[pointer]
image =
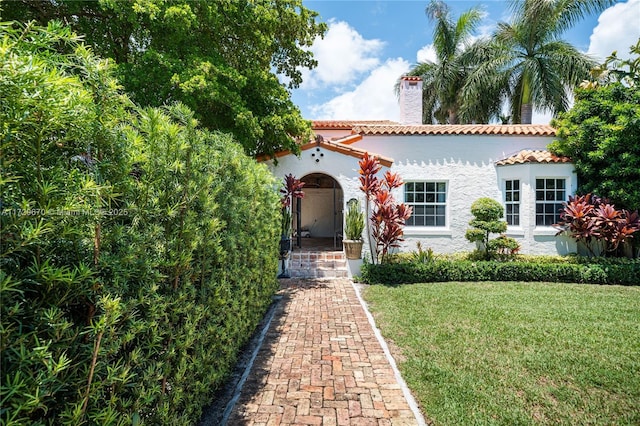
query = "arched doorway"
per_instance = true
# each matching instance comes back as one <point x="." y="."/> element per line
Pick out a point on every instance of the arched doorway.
<point x="319" y="214"/>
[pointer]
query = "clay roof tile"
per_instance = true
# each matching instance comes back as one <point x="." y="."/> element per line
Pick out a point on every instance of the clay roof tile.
<point x="532" y="156"/>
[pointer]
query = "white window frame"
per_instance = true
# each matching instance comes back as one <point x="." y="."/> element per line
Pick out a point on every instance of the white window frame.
<point x="411" y="201"/>
<point x="545" y="201"/>
<point x="510" y="200"/>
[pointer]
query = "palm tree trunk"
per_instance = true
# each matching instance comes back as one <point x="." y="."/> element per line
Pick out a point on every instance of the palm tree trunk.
<point x="526" y="113"/>
<point x="526" y="108"/>
<point x="453" y="116"/>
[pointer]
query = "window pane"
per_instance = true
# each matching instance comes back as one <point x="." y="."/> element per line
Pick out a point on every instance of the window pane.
<point x="539" y="183"/>
<point x="509" y="185"/>
<point x="551" y="183"/>
<point x="540" y="195"/>
<point x="516" y="185"/>
<point x="551" y="195"/>
<point x="560" y="183"/>
<point x="516" y="196"/>
<point x="428" y="202"/>
<point x="508" y="196"/>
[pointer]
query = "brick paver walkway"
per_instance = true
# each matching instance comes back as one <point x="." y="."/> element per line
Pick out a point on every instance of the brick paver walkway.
<point x="321" y="364"/>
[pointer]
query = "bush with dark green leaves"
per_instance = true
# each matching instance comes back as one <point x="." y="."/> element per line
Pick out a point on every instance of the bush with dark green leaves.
<point x="602" y="271"/>
<point x="601" y="132"/>
<point x="487" y="219"/>
<point x="138" y="252"/>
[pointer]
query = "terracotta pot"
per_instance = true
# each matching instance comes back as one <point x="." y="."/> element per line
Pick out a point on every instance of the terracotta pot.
<point x="352" y="249"/>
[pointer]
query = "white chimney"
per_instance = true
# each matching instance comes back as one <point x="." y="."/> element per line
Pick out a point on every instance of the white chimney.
<point x="410" y="100"/>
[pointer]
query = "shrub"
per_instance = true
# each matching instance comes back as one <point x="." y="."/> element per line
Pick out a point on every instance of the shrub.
<point x="626" y="273"/>
<point x="487" y="213"/>
<point x="598" y="226"/>
<point x="138" y="252"/>
<point x="386" y="223"/>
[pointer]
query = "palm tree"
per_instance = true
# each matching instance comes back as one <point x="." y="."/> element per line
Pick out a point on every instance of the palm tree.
<point x="526" y="63"/>
<point x="444" y="78"/>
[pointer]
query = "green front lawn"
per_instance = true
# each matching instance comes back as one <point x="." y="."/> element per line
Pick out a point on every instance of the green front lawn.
<point x="516" y="353"/>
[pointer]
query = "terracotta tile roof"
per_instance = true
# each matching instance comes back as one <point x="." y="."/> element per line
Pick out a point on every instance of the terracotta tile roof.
<point x="532" y="156"/>
<point x="455" y="129"/>
<point x="411" y="78"/>
<point x="342" y="146"/>
<point x="346" y="124"/>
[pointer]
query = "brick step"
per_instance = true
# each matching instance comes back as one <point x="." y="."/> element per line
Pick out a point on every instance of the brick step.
<point x="317" y="265"/>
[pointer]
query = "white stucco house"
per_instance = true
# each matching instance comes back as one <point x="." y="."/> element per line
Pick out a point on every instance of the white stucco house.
<point x="445" y="168"/>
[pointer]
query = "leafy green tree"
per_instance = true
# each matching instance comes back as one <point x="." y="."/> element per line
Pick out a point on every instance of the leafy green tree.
<point x="601" y="134"/>
<point x="443" y="79"/>
<point x="217" y="57"/>
<point x="526" y="63"/>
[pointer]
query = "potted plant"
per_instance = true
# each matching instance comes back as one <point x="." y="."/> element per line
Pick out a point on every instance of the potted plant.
<point x="353" y="230"/>
<point x="285" y="232"/>
<point x="292" y="188"/>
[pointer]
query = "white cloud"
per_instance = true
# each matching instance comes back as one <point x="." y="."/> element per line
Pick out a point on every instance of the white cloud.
<point x="427" y="53"/>
<point x="373" y="99"/>
<point x="343" y="55"/>
<point x="618" y="28"/>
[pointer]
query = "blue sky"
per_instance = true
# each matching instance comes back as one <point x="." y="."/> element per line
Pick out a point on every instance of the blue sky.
<point x="370" y="43"/>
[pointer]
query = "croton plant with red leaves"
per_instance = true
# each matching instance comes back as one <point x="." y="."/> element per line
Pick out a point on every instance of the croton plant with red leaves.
<point x="387" y="218"/>
<point x="292" y="188"/>
<point x="592" y="220"/>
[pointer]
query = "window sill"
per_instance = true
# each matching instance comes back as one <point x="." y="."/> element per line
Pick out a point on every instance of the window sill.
<point x="427" y="230"/>
<point x="545" y="230"/>
<point x="515" y="231"/>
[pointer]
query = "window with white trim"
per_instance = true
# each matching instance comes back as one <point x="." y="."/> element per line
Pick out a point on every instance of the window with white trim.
<point x="512" y="202"/>
<point x="550" y="193"/>
<point x="429" y="203"/>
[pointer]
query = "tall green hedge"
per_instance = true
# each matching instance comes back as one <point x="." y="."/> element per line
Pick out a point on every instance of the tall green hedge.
<point x="138" y="251"/>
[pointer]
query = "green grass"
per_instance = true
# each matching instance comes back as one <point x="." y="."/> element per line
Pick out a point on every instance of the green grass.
<point x="516" y="353"/>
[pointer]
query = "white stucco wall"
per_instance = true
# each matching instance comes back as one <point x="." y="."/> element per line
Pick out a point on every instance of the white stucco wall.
<point x="467" y="165"/>
<point x="410" y="102"/>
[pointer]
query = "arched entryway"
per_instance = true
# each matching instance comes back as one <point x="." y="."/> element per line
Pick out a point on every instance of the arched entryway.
<point x="319" y="214"/>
